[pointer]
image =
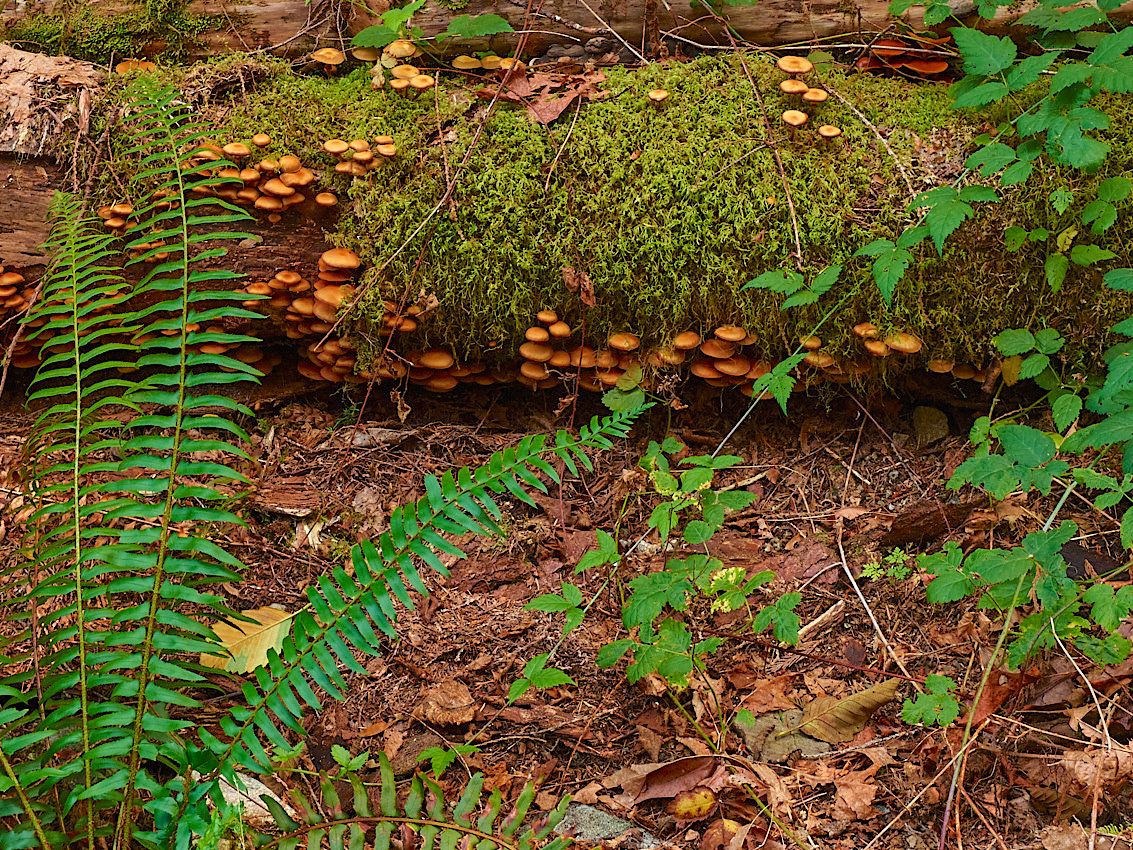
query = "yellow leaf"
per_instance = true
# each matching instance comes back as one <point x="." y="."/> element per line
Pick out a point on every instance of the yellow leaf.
<point x="247" y="643"/>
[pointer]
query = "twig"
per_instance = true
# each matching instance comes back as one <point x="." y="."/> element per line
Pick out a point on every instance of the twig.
<point x="861" y="598"/>
<point x="984" y="820"/>
<point x="564" y="22"/>
<point x="900" y="459"/>
<point x="909" y="805"/>
<point x="613" y="31"/>
<point x="880" y="138"/>
<point x="562" y="147"/>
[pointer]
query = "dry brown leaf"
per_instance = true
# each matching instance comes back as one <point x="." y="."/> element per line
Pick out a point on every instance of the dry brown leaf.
<point x="837" y="721"/>
<point x="671" y="779"/>
<point x="448" y="704"/>
<point x="853" y="797"/>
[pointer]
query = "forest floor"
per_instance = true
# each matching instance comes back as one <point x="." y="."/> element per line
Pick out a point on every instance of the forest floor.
<point x="842" y="486"/>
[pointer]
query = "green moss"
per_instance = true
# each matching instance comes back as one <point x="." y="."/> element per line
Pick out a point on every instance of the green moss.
<point x="671" y="212"/>
<point x="157" y="27"/>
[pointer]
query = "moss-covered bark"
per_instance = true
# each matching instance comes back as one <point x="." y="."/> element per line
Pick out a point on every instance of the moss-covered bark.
<point x="671" y="212"/>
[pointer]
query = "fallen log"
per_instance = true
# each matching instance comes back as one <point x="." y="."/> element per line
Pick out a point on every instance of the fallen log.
<point x="570" y="192"/>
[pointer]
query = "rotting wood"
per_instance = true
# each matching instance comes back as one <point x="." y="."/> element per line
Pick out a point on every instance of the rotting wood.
<point x="293" y="26"/>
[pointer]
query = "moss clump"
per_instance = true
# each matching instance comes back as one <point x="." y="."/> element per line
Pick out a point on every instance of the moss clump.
<point x="670" y="213"/>
<point x="157" y="27"/>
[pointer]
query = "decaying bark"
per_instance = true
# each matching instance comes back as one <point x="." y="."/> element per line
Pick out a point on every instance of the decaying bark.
<point x="291" y="27"/>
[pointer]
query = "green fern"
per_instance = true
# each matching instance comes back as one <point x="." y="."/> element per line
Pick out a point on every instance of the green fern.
<point x="422" y="821"/>
<point x="98" y="742"/>
<point x="343" y="609"/>
<point x="105" y="620"/>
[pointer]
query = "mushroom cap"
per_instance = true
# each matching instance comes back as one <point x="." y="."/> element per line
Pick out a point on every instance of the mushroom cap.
<point x="400" y="49"/>
<point x="810" y="343"/>
<point x="405" y="72"/>
<point x="325" y="199"/>
<point x="329" y="56"/>
<point x="398" y="84"/>
<point x="877" y="348"/>
<point x="122" y="210"/>
<point x="436" y="358"/>
<point x="904" y="343"/>
<point x="658" y="95"/>
<point x="866" y="330"/>
<point x="828" y="131"/>
<point x="560" y="360"/>
<point x="383" y="140"/>
<point x="623" y="341"/>
<point x="734" y="366"/>
<point x="582" y="356"/>
<point x="940" y="366"/>
<point x="335" y="147"/>
<point x="792" y="86"/>
<point x="963" y="371"/>
<point x="334" y="294"/>
<point x="289" y="163"/>
<point x="759" y="368"/>
<point x="366" y="54"/>
<point x="730" y="333"/>
<point x="441" y="383"/>
<point x="536" y="335"/>
<point x="820" y="359"/>
<point x="605" y="359"/>
<point x="236" y="150"/>
<point x="288" y="277"/>
<point x="387" y="149"/>
<point x="794" y="65"/>
<point x="261" y="140"/>
<point x="422" y="82"/>
<point x="815" y="95"/>
<point x="538" y="352"/>
<point x="547" y="317"/>
<point x="794" y="117"/>
<point x="466" y="63"/>
<point x="490" y="62"/>
<point x="277" y="187"/>
<point x="340" y="258"/>
<point x="559" y="330"/>
<point x="704" y="368"/>
<point x="686" y="341"/>
<point x="926" y="67"/>
<point x="359" y="145"/>
<point x="718" y="349"/>
<point x="534" y="369"/>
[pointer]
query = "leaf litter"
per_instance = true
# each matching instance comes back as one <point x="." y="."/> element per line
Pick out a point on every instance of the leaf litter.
<point x="673" y="761"/>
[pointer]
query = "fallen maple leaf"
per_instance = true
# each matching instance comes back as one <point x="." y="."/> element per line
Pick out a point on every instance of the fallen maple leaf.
<point x="853" y="797"/>
<point x="547" y="109"/>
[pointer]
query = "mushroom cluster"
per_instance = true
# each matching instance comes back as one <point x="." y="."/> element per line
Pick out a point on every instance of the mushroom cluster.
<point x="302" y="307"/>
<point x="332" y="360"/>
<point x="801" y="95"/>
<point x="357" y="158"/>
<point x="922" y="58"/>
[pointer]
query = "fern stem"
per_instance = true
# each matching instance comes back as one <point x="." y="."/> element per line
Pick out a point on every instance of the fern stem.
<point x="125" y="815"/>
<point x="29" y="809"/>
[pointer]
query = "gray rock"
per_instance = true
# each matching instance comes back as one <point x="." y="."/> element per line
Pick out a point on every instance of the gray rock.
<point x="574" y="51"/>
<point x="591" y="825"/>
<point x="599" y="46"/>
<point x="930" y="425"/>
<point x="962" y="8"/>
<point x="555" y="51"/>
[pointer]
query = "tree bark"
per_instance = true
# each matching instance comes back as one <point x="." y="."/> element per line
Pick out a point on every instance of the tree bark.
<point x="292" y="27"/>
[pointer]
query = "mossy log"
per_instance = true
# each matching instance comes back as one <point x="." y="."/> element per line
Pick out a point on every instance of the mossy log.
<point x="661" y="215"/>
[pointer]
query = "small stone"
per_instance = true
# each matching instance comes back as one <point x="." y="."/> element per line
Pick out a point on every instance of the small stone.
<point x="930" y="425"/>
<point x="598" y="45"/>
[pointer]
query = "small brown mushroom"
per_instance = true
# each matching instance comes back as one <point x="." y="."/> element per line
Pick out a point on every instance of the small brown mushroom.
<point x="658" y="98"/>
<point x="794" y="66"/>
